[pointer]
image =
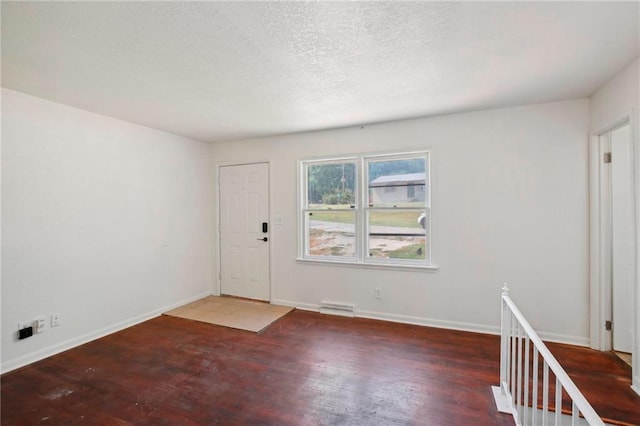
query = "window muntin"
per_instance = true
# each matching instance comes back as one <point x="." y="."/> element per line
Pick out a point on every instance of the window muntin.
<point x="382" y="219"/>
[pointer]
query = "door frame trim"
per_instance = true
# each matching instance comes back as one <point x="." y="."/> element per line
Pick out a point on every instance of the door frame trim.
<point x="600" y="237"/>
<point x="217" y="287"/>
<point x="600" y="233"/>
<point x="600" y="338"/>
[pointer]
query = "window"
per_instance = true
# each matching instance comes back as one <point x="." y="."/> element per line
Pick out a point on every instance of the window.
<point x="411" y="191"/>
<point x="367" y="209"/>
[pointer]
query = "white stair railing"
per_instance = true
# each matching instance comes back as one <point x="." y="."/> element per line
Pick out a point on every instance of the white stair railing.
<point x="523" y="358"/>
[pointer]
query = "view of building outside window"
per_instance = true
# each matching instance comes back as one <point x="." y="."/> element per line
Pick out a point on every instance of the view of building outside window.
<point x="396" y="219"/>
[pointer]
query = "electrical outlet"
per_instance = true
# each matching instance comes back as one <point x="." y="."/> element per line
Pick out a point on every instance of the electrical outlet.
<point x="39" y="325"/>
<point x="25" y="329"/>
<point x="378" y="293"/>
<point x="25" y="332"/>
<point x="55" y="320"/>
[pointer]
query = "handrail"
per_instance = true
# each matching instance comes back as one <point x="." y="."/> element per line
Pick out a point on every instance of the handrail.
<point x="512" y="375"/>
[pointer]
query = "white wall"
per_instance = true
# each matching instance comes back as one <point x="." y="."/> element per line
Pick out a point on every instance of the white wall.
<point x="104" y="222"/>
<point x="617" y="100"/>
<point x="510" y="203"/>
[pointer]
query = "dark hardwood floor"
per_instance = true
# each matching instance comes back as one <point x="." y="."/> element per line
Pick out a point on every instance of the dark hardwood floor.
<point x="306" y="369"/>
<point x="604" y="379"/>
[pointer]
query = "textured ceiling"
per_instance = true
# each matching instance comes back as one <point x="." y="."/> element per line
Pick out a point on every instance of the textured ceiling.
<point x="229" y="70"/>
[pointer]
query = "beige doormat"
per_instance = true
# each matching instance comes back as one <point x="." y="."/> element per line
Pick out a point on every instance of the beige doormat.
<point x="232" y="312"/>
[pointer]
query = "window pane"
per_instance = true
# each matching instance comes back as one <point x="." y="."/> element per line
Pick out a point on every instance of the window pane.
<point x="398" y="183"/>
<point x="331" y="185"/>
<point x="331" y="233"/>
<point x="397" y="234"/>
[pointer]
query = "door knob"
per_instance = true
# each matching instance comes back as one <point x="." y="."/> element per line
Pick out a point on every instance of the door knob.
<point x="263" y="239"/>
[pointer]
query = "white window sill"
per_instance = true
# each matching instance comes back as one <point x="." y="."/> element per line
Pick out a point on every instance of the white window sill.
<point x="370" y="265"/>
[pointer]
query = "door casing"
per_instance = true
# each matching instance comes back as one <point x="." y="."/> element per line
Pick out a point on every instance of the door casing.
<point x="601" y="237"/>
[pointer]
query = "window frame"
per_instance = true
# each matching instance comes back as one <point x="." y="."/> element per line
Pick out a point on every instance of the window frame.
<point x="362" y="209"/>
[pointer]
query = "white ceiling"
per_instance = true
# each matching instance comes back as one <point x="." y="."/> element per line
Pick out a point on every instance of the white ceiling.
<point x="230" y="70"/>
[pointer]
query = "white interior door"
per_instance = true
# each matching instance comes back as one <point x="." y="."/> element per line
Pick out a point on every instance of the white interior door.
<point x="244" y="243"/>
<point x="622" y="239"/>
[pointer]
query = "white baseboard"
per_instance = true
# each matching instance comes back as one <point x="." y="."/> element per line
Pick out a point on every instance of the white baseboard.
<point x="471" y="327"/>
<point x="431" y="322"/>
<point x="564" y="338"/>
<point x="403" y="319"/>
<point x="38" y="355"/>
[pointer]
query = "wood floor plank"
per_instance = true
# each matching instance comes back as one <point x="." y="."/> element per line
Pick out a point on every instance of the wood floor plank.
<point x="306" y="369"/>
<point x="604" y="379"/>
